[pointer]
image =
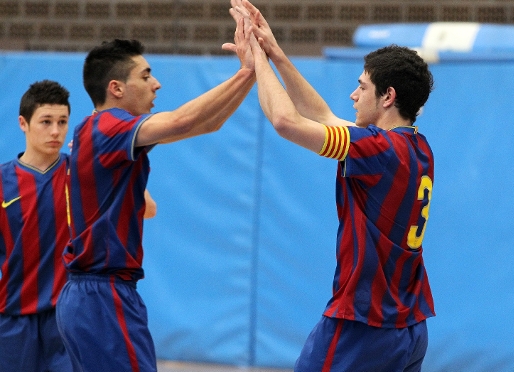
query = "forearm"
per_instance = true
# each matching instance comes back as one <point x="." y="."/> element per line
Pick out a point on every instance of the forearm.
<point x="307" y="101"/>
<point x="281" y="111"/>
<point x="273" y="98"/>
<point x="204" y="114"/>
<point x="209" y="112"/>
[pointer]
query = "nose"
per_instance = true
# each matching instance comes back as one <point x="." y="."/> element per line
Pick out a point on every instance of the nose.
<point x="157" y="85"/>
<point x="55" y="129"/>
<point x="353" y="95"/>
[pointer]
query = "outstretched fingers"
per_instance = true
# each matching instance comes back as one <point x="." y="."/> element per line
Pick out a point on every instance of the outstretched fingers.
<point x="261" y="28"/>
<point x="242" y="43"/>
<point x="254" y="14"/>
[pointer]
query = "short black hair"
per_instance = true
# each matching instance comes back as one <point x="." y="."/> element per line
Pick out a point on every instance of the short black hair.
<point x="404" y="70"/>
<point x="109" y="61"/>
<point x="41" y="93"/>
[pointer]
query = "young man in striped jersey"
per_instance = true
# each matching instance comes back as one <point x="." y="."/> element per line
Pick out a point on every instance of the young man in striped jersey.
<point x="375" y="320"/>
<point x="33" y="234"/>
<point x="100" y="315"/>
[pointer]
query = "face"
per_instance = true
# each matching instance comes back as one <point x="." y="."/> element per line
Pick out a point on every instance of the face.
<point x="140" y="88"/>
<point x="365" y="102"/>
<point x="47" y="129"/>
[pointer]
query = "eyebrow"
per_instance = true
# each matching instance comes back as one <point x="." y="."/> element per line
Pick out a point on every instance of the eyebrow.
<point x="51" y="116"/>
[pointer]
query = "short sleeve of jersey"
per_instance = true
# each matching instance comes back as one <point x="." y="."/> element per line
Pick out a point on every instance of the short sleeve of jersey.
<point x="369" y="152"/>
<point x="115" y="134"/>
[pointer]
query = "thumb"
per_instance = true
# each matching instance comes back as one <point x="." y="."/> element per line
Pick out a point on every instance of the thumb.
<point x="229" y="47"/>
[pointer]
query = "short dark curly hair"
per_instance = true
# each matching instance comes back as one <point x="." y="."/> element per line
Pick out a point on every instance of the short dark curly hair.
<point x="109" y="61"/>
<point x="41" y="93"/>
<point x="404" y="70"/>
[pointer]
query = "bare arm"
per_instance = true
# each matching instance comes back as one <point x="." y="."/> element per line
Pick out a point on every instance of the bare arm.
<point x="208" y="112"/>
<point x="279" y="108"/>
<point x="204" y="114"/>
<point x="305" y="98"/>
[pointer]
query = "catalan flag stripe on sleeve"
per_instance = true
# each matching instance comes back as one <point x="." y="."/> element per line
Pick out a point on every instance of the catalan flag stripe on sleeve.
<point x="337" y="143"/>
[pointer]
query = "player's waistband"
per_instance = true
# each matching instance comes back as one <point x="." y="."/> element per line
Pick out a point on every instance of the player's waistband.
<point x="102" y="278"/>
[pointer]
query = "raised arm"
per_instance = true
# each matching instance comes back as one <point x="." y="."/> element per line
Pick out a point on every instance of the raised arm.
<point x="280" y="110"/>
<point x="208" y="112"/>
<point x="305" y="98"/>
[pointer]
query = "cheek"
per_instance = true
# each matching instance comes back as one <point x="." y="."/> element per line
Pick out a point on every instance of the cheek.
<point x="369" y="101"/>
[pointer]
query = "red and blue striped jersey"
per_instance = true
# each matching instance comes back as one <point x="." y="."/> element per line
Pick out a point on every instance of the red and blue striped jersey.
<point x="33" y="234"/>
<point x="383" y="192"/>
<point x="108" y="176"/>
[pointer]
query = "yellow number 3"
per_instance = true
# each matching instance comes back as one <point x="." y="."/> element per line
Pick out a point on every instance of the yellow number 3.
<point x="413" y="239"/>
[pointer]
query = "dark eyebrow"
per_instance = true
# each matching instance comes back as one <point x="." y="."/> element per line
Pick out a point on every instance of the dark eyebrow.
<point x="50" y="116"/>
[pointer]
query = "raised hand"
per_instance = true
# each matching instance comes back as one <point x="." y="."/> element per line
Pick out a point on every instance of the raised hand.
<point x="237" y="15"/>
<point x="261" y="28"/>
<point x="241" y="45"/>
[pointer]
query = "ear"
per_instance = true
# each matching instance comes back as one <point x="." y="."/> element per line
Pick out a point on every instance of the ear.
<point x="23" y="124"/>
<point x="115" y="88"/>
<point x="389" y="97"/>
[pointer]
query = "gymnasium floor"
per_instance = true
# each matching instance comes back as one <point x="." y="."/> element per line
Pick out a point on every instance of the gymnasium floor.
<point x="168" y="366"/>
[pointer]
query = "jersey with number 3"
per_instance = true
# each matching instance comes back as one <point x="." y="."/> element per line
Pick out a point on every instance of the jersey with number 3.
<point x="383" y="192"/>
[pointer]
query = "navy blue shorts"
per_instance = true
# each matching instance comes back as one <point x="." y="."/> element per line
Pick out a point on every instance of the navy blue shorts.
<point x="104" y="325"/>
<point x="339" y="345"/>
<point x="32" y="343"/>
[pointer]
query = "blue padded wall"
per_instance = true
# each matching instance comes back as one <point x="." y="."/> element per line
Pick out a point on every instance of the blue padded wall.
<point x="489" y="38"/>
<point x="240" y="257"/>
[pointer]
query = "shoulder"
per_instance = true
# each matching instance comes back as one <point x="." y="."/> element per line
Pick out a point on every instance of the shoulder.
<point x="9" y="164"/>
<point x="371" y="131"/>
<point x="8" y="169"/>
<point x="115" y="120"/>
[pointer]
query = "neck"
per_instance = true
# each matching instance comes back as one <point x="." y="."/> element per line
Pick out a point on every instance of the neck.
<point x="395" y="124"/>
<point x="399" y="126"/>
<point x="39" y="162"/>
<point x="391" y="119"/>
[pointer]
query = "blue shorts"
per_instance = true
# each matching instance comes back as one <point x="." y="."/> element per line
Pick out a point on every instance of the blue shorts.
<point x="104" y="325"/>
<point x="32" y="343"/>
<point x="339" y="345"/>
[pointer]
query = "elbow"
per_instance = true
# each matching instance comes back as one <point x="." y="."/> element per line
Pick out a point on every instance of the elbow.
<point x="283" y="125"/>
